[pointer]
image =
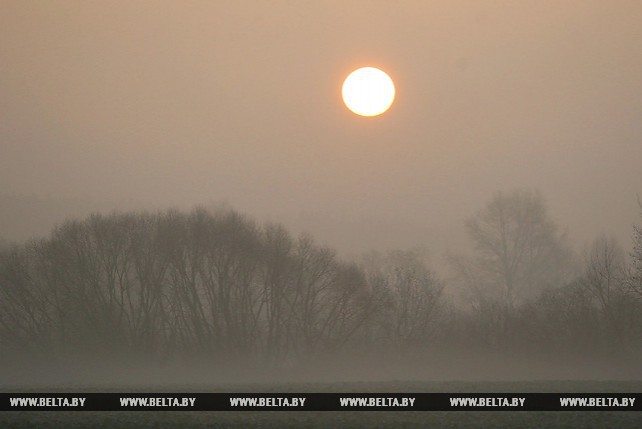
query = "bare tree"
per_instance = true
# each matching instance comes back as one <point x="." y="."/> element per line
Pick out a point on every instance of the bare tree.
<point x="604" y="280"/>
<point x="634" y="278"/>
<point x="605" y="273"/>
<point x="407" y="298"/>
<point x="563" y="320"/>
<point x="27" y="319"/>
<point x="519" y="250"/>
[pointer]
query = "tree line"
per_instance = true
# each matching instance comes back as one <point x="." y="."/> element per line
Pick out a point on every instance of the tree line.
<point x="217" y="285"/>
<point x="200" y="284"/>
<point x="527" y="289"/>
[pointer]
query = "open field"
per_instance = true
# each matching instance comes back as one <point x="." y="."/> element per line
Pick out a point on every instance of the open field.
<point x="375" y="419"/>
<point x="50" y="420"/>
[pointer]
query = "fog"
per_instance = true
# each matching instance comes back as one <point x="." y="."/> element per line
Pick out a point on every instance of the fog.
<point x="141" y="107"/>
<point x="121" y="104"/>
<point x="213" y="296"/>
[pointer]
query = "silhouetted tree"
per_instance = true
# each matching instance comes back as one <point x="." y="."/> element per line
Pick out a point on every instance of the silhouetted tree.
<point x="407" y="298"/>
<point x="207" y="284"/>
<point x="634" y="280"/>
<point x="27" y="316"/>
<point x="604" y="279"/>
<point x="563" y="320"/>
<point x="519" y="251"/>
<point x="217" y="286"/>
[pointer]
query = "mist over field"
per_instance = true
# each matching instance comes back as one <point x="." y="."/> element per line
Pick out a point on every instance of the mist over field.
<point x="213" y="296"/>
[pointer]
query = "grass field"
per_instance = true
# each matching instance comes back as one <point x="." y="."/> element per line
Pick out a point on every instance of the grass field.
<point x="370" y="419"/>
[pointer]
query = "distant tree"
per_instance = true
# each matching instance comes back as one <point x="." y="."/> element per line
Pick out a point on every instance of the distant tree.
<point x="407" y="298"/>
<point x="634" y="280"/>
<point x="604" y="280"/>
<point x="564" y="319"/>
<point x="604" y="272"/>
<point x="519" y="251"/>
<point x="591" y="314"/>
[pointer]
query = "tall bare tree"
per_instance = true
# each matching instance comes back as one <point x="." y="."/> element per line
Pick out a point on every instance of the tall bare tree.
<point x="519" y="250"/>
<point x="604" y="280"/>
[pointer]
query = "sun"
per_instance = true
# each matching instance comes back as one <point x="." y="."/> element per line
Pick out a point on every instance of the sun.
<point x="368" y="91"/>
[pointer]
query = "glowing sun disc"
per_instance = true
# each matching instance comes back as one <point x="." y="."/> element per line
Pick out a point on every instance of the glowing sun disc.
<point x="368" y="91"/>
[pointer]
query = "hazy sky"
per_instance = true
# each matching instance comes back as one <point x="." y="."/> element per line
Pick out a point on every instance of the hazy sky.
<point x="185" y="102"/>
